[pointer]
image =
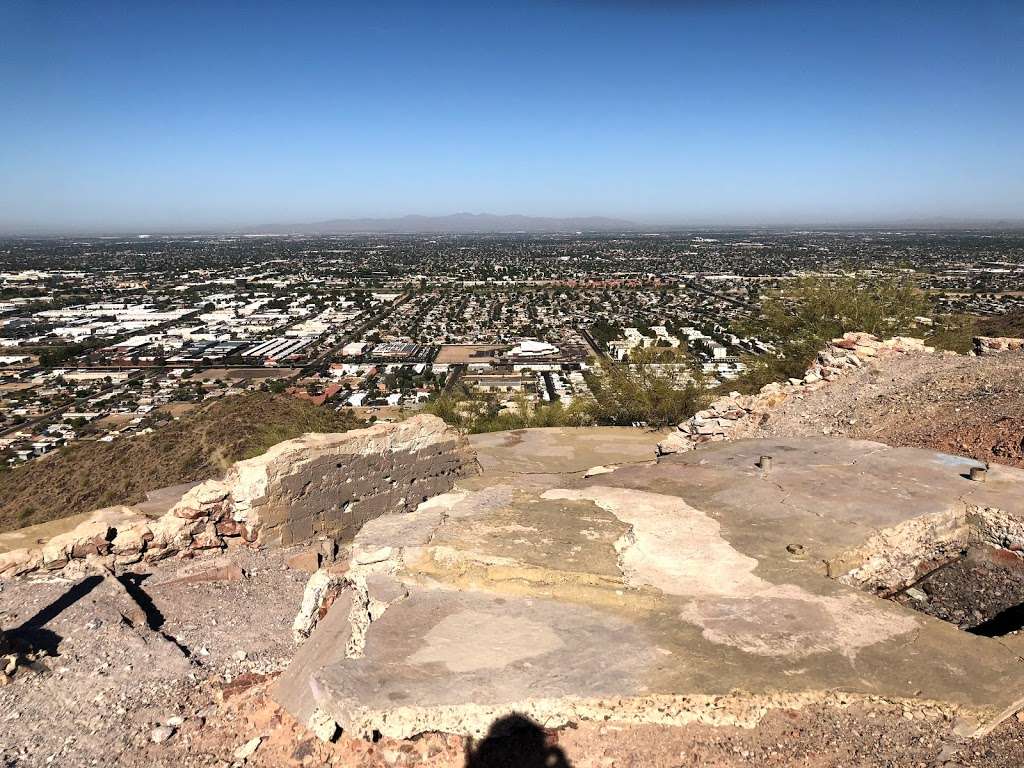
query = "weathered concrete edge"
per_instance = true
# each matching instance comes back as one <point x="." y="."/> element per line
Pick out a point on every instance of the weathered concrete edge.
<point x="209" y="514"/>
<point x="739" y="709"/>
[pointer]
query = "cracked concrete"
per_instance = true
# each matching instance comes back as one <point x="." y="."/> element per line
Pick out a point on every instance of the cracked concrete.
<point x="694" y="589"/>
<point x="679" y="550"/>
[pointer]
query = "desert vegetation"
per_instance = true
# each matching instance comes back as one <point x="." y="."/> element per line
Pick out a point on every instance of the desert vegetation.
<point x="200" y="445"/>
<point x="800" y="318"/>
<point x="642" y="392"/>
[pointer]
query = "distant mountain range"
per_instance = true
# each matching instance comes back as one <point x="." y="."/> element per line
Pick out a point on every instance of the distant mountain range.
<point x="472" y="223"/>
<point x="485" y="223"/>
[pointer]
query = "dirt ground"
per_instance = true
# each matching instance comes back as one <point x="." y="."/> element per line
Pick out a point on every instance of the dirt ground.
<point x="453" y="354"/>
<point x="166" y="669"/>
<point x="970" y="406"/>
<point x="114" y="661"/>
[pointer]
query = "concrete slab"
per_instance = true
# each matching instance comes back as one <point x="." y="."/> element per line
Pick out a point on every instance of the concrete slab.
<point x="693" y="589"/>
<point x="562" y="449"/>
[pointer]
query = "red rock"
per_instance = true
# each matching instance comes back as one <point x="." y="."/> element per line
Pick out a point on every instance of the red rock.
<point x="308" y="561"/>
<point x="230" y="528"/>
<point x="217" y="572"/>
<point x="240" y="684"/>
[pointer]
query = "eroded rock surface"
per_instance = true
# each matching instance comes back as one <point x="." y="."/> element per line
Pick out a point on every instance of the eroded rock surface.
<point x="724" y="418"/>
<point x="698" y="589"/>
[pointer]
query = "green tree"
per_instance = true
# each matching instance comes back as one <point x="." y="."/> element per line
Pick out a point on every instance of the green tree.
<point x="800" y="318"/>
<point x="821" y="308"/>
<point x="642" y="392"/>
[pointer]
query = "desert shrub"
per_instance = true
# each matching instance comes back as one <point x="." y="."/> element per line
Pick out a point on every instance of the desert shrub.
<point x="641" y="393"/>
<point x="802" y="317"/>
<point x="957" y="332"/>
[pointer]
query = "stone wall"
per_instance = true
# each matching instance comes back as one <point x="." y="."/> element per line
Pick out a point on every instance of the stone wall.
<point x="316" y="484"/>
<point x="334" y="483"/>
<point x="841" y="356"/>
<point x="989" y="345"/>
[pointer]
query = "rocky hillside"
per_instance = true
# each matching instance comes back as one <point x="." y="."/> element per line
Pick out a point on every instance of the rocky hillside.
<point x="198" y="446"/>
<point x="969" y="406"/>
<point x="966" y="406"/>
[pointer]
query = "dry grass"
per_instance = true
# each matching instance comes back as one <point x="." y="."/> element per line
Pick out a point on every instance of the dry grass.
<point x="201" y="445"/>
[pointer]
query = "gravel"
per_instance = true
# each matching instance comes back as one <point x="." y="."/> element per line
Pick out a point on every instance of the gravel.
<point x="969" y="406"/>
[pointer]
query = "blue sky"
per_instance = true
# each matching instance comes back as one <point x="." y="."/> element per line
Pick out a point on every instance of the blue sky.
<point x="170" y="115"/>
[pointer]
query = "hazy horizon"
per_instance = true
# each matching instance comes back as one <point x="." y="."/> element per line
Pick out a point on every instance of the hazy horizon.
<point x="686" y="113"/>
<point x="435" y="226"/>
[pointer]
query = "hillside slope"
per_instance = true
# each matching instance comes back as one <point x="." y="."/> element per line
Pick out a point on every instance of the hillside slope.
<point x="201" y="445"/>
<point x="970" y="406"/>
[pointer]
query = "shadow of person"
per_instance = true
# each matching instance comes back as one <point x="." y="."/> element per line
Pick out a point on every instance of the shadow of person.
<point x="33" y="635"/>
<point x="515" y="741"/>
<point x="132" y="583"/>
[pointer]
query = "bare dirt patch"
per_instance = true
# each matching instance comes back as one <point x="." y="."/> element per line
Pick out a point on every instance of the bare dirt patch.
<point x="969" y="406"/>
<point x="115" y="660"/>
<point x="452" y="354"/>
<point x="114" y="420"/>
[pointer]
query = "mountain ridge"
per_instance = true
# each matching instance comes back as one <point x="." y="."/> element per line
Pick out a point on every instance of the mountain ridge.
<point x="470" y="223"/>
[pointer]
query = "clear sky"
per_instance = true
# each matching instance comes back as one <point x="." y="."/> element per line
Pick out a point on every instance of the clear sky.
<point x="177" y="114"/>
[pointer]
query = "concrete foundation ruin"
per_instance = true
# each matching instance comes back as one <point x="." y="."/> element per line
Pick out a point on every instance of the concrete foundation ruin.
<point x="701" y="588"/>
<point x="318" y="484"/>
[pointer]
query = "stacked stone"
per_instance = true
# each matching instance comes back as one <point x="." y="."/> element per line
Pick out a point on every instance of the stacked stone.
<point x="410" y="461"/>
<point x="118" y="536"/>
<point x="989" y="345"/>
<point x="843" y="355"/>
<point x="840" y="357"/>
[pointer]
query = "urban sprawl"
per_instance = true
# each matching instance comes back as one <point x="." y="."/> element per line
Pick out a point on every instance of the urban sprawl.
<point x="103" y="338"/>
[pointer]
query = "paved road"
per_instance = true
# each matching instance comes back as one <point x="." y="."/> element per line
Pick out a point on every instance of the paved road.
<point x="593" y="344"/>
<point x="352" y="335"/>
<point x="708" y="292"/>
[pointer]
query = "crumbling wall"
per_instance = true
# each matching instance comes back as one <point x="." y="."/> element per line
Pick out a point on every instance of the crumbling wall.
<point x="895" y="558"/>
<point x="334" y="483"/>
<point x="991" y="345"/>
<point x="841" y="356"/>
<point x="316" y="484"/>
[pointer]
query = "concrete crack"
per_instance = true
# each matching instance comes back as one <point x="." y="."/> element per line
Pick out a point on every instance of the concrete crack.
<point x="359" y="619"/>
<point x="624" y="543"/>
<point x="563" y="473"/>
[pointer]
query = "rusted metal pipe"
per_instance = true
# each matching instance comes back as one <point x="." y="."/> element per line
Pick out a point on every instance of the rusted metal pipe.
<point x="978" y="474"/>
<point x="765" y="463"/>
